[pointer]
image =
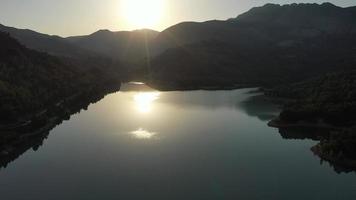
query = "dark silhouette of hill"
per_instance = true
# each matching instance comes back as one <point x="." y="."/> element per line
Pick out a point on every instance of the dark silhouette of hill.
<point x="269" y="23"/>
<point x="31" y="81"/>
<point x="267" y="45"/>
<point x="330" y="98"/>
<point x="123" y="45"/>
<point x="53" y="45"/>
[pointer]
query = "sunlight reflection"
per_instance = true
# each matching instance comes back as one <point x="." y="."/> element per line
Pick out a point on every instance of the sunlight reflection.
<point x="144" y="100"/>
<point x="142" y="134"/>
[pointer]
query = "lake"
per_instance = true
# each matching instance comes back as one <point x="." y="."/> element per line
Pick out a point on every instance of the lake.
<point x="143" y="144"/>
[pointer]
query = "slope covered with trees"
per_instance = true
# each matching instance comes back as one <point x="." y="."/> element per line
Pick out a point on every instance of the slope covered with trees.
<point x="330" y="98"/>
<point x="269" y="45"/>
<point x="31" y="81"/>
<point x="326" y="106"/>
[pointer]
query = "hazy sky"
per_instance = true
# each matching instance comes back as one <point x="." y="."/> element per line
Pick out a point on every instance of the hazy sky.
<point x="77" y="17"/>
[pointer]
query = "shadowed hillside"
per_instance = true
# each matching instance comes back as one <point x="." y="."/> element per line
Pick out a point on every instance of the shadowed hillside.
<point x="283" y="43"/>
<point x="330" y="98"/>
<point x="129" y="46"/>
<point x="53" y="45"/>
<point x="31" y="81"/>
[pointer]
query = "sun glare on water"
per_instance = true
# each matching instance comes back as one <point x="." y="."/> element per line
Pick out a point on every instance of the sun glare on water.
<point x="142" y="13"/>
<point x="142" y="134"/>
<point x="144" y="101"/>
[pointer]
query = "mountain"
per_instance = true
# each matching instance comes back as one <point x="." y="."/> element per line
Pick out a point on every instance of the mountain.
<point x="31" y="82"/>
<point x="272" y="44"/>
<point x="53" y="45"/>
<point x="193" y="32"/>
<point x="122" y="45"/>
<point x="270" y="23"/>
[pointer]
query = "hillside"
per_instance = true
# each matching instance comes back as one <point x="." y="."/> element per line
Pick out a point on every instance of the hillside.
<point x="53" y="45"/>
<point x="323" y="108"/>
<point x="284" y="43"/>
<point x="330" y="98"/>
<point x="32" y="81"/>
<point x="267" y="24"/>
<point x="121" y="45"/>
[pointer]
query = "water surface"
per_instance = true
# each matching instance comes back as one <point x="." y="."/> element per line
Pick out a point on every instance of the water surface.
<point x="143" y="144"/>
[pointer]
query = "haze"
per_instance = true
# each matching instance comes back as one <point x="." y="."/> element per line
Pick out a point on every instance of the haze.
<point x="68" y="17"/>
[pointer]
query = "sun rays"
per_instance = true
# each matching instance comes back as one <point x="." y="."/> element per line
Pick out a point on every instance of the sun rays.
<point x="143" y="13"/>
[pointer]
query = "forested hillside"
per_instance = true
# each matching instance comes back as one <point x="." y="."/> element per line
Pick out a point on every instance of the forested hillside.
<point x="331" y="98"/>
<point x="324" y="109"/>
<point x="268" y="45"/>
<point x="31" y="81"/>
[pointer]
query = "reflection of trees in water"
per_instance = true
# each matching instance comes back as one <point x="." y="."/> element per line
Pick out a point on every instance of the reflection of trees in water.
<point x="206" y="99"/>
<point x="239" y="99"/>
<point x="259" y="106"/>
<point x="249" y="100"/>
<point x="298" y="133"/>
<point x="16" y="143"/>
<point x="22" y="145"/>
<point x="335" y="147"/>
<point x="253" y="104"/>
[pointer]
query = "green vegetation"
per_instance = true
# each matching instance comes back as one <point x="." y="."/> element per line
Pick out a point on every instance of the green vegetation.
<point x="326" y="101"/>
<point x="330" y="98"/>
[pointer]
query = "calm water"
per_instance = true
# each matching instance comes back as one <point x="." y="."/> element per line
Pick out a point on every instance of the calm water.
<point x="136" y="145"/>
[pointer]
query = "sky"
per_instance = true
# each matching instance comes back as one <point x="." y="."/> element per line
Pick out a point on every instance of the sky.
<point x="82" y="17"/>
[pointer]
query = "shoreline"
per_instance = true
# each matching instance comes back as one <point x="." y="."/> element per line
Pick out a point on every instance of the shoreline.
<point x="15" y="141"/>
<point x="277" y="123"/>
<point x="170" y="88"/>
<point x="340" y="163"/>
<point x="325" y="134"/>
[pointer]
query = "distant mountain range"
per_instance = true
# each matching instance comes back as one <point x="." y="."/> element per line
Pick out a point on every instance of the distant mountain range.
<point x="121" y="45"/>
<point x="267" y="25"/>
<point x="54" y="45"/>
<point x="282" y="43"/>
<point x="272" y="44"/>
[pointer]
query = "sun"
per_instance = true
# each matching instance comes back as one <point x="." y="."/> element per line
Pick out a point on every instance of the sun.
<point x="142" y="13"/>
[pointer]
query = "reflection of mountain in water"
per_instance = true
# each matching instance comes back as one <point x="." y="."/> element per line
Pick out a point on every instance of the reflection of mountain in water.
<point x="14" y="143"/>
<point x="255" y="105"/>
<point x="336" y="147"/>
<point x="135" y="87"/>
<point x="22" y="145"/>
<point x="249" y="100"/>
<point x="259" y="106"/>
<point x="251" y="103"/>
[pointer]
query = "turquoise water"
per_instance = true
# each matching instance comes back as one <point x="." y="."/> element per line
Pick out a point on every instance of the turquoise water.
<point x="194" y="145"/>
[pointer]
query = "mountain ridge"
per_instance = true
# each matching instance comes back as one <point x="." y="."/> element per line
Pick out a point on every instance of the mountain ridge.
<point x="289" y="43"/>
<point x="51" y="44"/>
<point x="121" y="45"/>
